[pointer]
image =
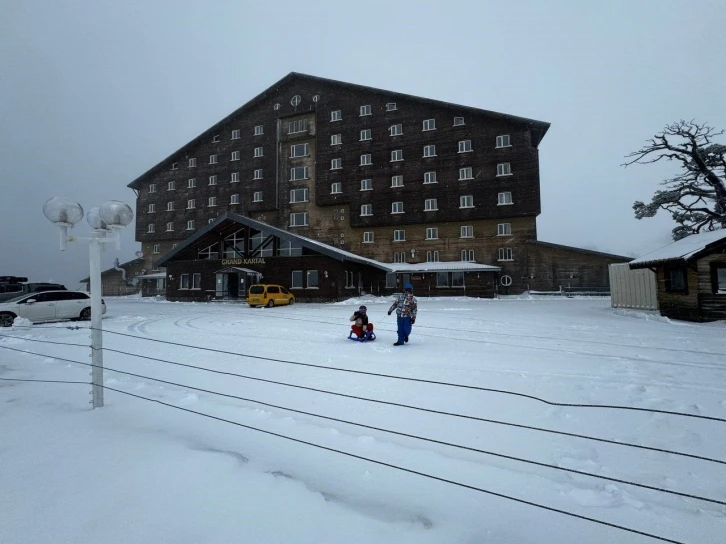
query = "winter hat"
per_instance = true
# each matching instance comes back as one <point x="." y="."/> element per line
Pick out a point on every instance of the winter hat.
<point x="408" y="287"/>
<point x="362" y="309"/>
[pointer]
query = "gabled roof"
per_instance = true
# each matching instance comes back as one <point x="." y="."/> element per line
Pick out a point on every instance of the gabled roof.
<point x="228" y="219"/>
<point x="113" y="268"/>
<point x="539" y="128"/>
<point x="683" y="250"/>
<point x="580" y="250"/>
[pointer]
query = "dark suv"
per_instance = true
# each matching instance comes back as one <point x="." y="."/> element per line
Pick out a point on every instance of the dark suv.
<point x="14" y="286"/>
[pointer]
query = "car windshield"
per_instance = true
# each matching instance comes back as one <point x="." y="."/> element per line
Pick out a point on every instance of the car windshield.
<point x="16" y="299"/>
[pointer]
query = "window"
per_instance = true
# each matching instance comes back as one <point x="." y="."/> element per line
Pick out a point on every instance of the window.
<point x="336" y="188"/>
<point x="258" y="174"/>
<point x="191" y="204"/>
<point x="396" y="181"/>
<point x="196" y="280"/>
<point x="210" y="221"/>
<point x="464" y="146"/>
<point x="215" y="139"/>
<point x="368" y="237"/>
<point x="336" y="115"/>
<point x="429" y="177"/>
<point x="365" y="134"/>
<point x="430" y="205"/>
<point x="450" y="279"/>
<point x="366" y="160"/>
<point x="192" y="163"/>
<point x="190" y="224"/>
<point x="295" y="100"/>
<point x="235" y="177"/>
<point x="366" y="185"/>
<point x="395" y="130"/>
<point x="366" y="209"/>
<point x="365" y="110"/>
<point x="503" y="141"/>
<point x="184" y="281"/>
<point x="170" y="227"/>
<point x="152" y="208"/>
<point x="212" y="180"/>
<point x="312" y="279"/>
<point x="156" y="249"/>
<point x="465" y="173"/>
<point x="289" y="249"/>
<point x="297" y="279"/>
<point x="152" y="187"/>
<point x="432" y="233"/>
<point x="466" y="201"/>
<point x="336" y="164"/>
<point x="259" y="152"/>
<point x="504" y="169"/>
<point x="349" y="280"/>
<point x="259" y="130"/>
<point x="212" y="201"/>
<point x="151" y="228"/>
<point x="257" y="196"/>
<point x="391" y="279"/>
<point x="458" y="121"/>
<point x="504" y="229"/>
<point x="171" y="186"/>
<point x="391" y="106"/>
<point x="174" y="245"/>
<point x="235" y="156"/>
<point x="432" y="256"/>
<point x="676" y="279"/>
<point x="429" y="124"/>
<point x="298" y="195"/>
<point x="398" y="257"/>
<point x="429" y="151"/>
<point x="298" y="172"/>
<point x="397" y="155"/>
<point x="170" y="206"/>
<point x="175" y="166"/>
<point x="505" y="254"/>
<point x="397" y="207"/>
<point x="299" y="219"/>
<point x="504" y="198"/>
<point x="236" y="134"/>
<point x="718" y="278"/>
<point x="213" y="159"/>
<point x="299" y="150"/>
<point x="467" y="255"/>
<point x="336" y="139"/>
<point x="234" y="199"/>
<point x="301" y="125"/>
<point x="399" y="235"/>
<point x="467" y="231"/>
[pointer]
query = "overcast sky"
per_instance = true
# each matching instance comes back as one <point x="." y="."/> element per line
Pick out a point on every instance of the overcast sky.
<point x="93" y="93"/>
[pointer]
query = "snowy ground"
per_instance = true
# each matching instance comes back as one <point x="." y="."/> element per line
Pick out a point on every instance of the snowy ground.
<point x="142" y="472"/>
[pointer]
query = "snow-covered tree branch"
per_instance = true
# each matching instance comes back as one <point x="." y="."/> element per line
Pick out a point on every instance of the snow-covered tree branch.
<point x="696" y="197"/>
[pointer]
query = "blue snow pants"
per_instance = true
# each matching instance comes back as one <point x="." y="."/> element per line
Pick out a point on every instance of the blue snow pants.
<point x="404" y="327"/>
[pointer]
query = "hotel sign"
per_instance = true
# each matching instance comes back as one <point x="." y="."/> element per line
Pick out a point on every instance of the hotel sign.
<point x="234" y="262"/>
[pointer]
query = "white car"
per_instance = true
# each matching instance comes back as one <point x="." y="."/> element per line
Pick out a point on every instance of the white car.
<point x="48" y="306"/>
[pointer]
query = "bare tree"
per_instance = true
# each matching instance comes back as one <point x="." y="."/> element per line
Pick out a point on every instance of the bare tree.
<point x="695" y="198"/>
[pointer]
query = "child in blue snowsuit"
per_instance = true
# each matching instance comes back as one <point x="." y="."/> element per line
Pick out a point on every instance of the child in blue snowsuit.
<point x="406" y="307"/>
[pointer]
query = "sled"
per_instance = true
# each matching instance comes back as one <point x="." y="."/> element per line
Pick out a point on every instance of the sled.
<point x="368" y="338"/>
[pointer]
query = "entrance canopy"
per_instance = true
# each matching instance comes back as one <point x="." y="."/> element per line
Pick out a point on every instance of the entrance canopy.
<point x="236" y="269"/>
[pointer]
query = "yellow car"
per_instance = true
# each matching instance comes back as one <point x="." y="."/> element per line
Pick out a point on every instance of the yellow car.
<point x="263" y="294"/>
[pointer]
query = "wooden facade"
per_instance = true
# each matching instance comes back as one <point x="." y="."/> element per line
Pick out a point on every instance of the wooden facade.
<point x="692" y="287"/>
<point x="238" y="167"/>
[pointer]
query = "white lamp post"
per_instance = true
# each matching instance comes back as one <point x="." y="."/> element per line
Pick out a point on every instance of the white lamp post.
<point x="111" y="216"/>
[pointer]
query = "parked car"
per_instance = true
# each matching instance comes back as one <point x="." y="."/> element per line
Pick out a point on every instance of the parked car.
<point x="264" y="294"/>
<point x="48" y="306"/>
<point x="13" y="286"/>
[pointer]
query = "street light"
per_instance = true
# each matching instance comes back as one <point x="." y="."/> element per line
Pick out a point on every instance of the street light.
<point x="110" y="217"/>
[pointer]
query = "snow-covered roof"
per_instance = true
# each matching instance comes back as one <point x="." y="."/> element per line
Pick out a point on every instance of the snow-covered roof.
<point x="451" y="266"/>
<point x="154" y="276"/>
<point x="683" y="249"/>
